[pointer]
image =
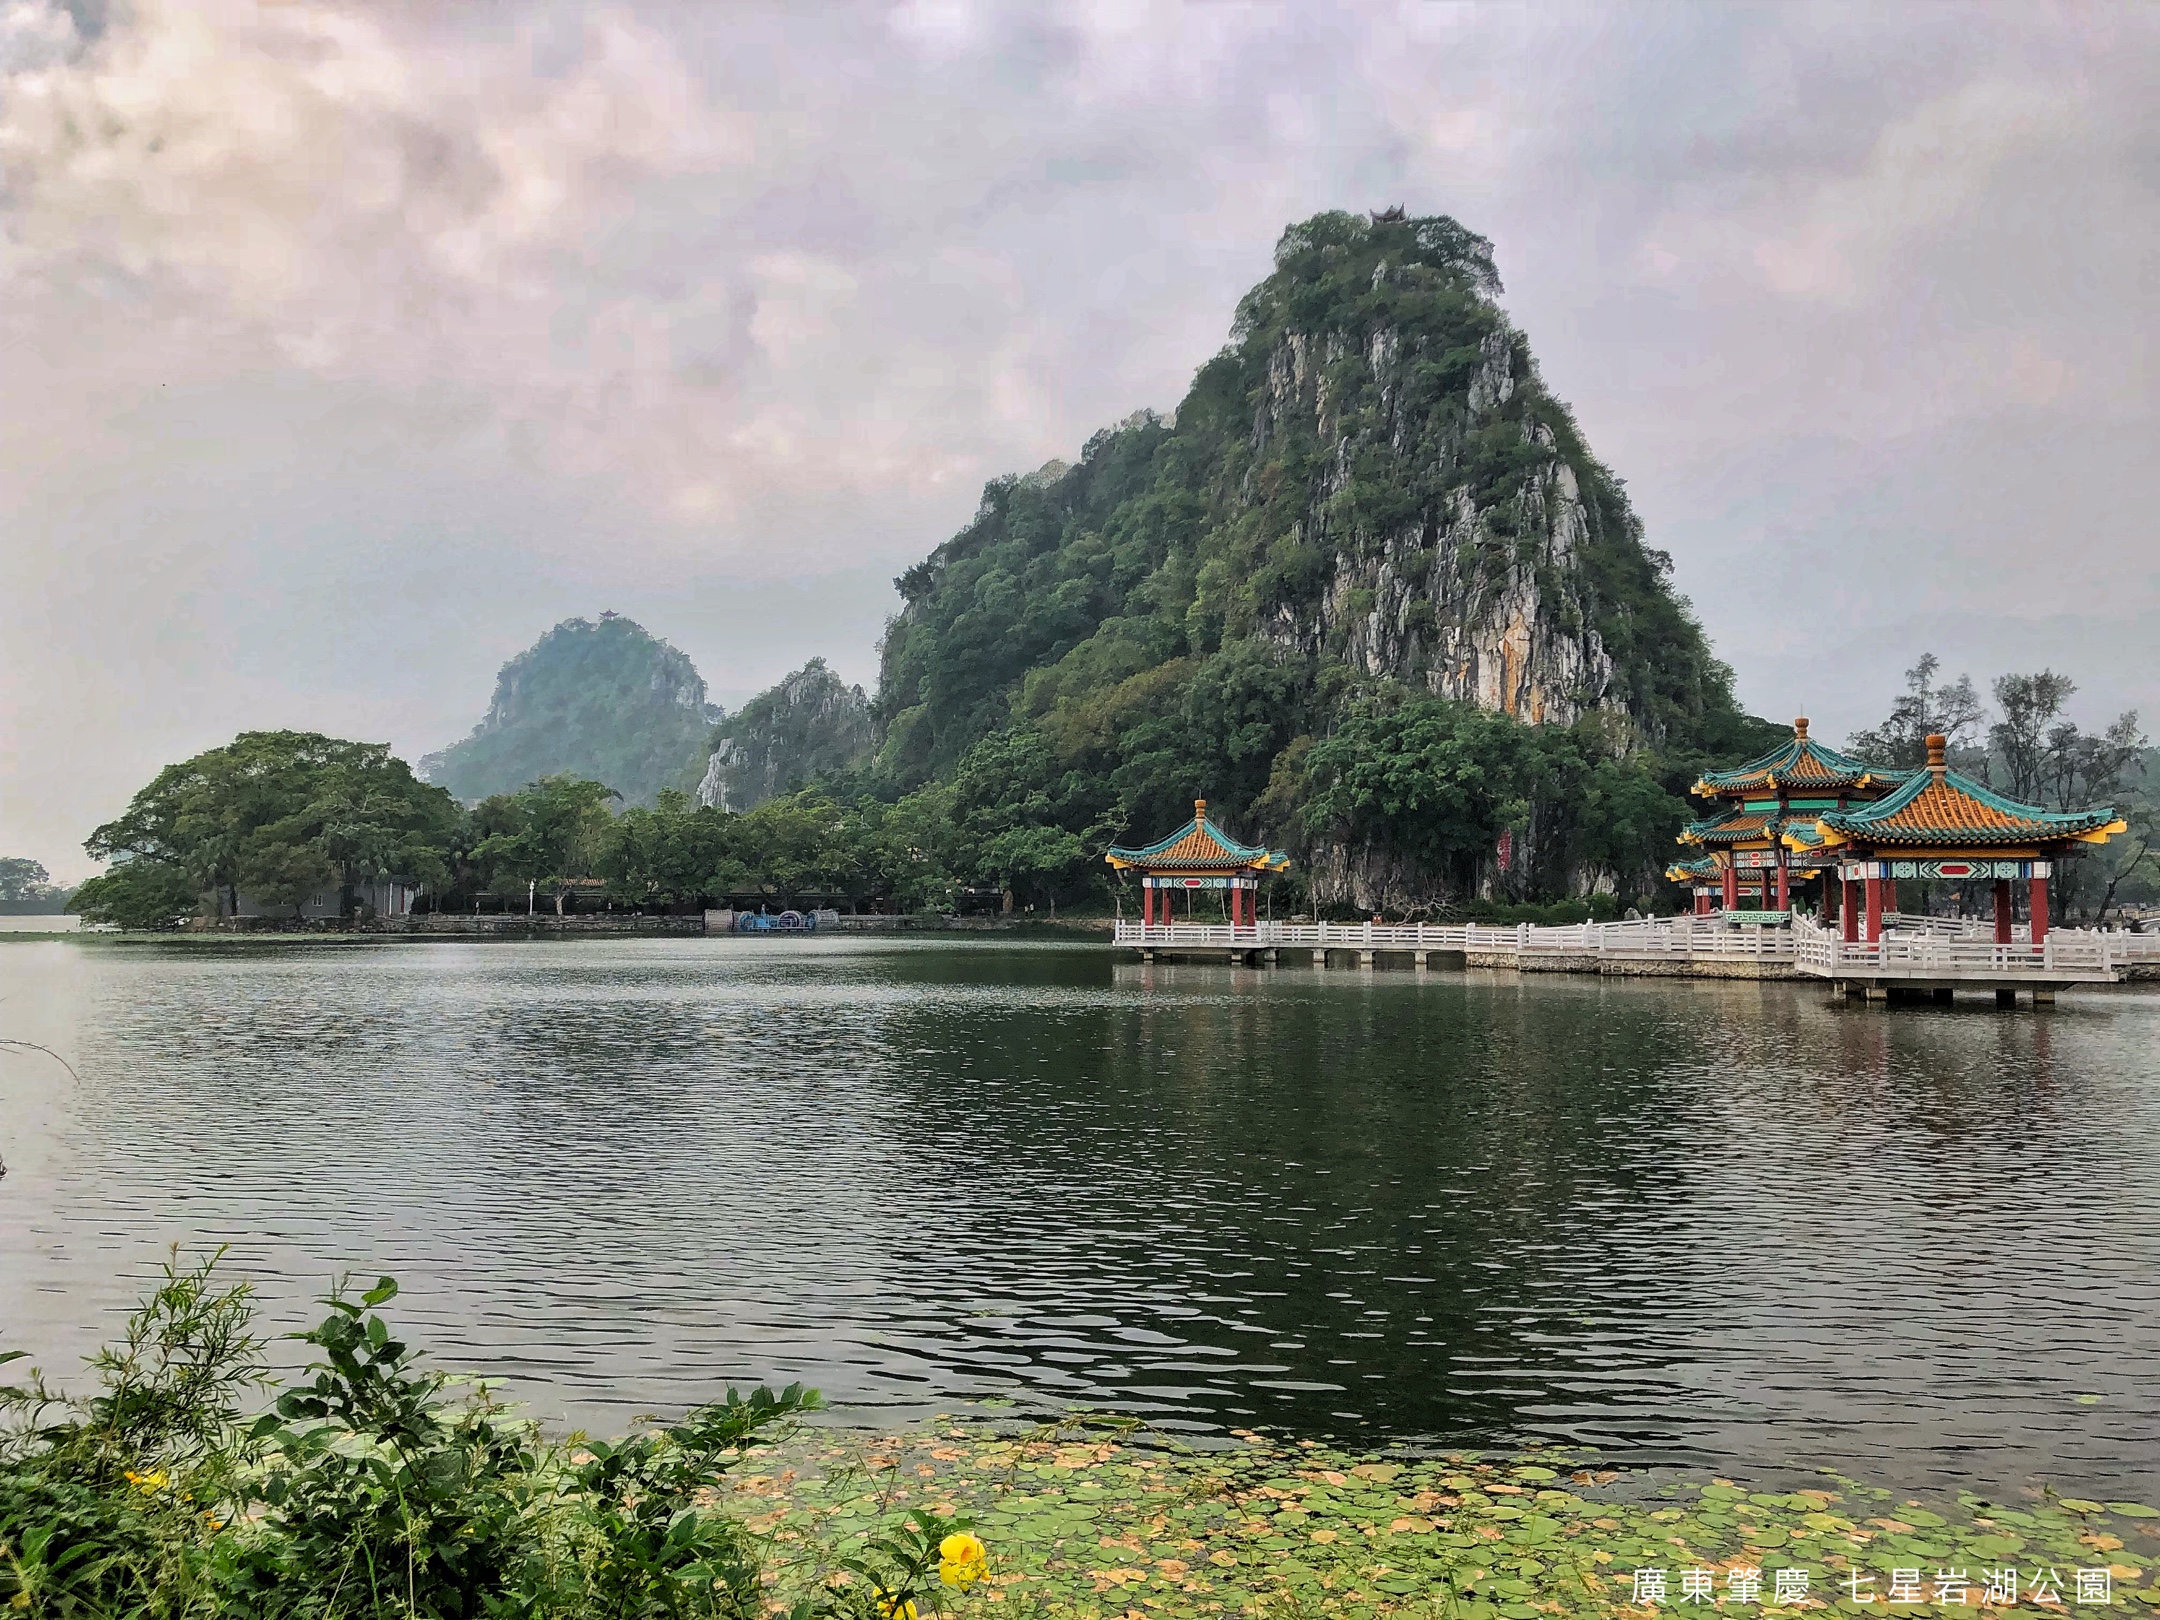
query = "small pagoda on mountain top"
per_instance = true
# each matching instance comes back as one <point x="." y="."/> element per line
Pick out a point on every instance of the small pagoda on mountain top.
<point x="1937" y="823"/>
<point x="1747" y="845"/>
<point x="1198" y="857"/>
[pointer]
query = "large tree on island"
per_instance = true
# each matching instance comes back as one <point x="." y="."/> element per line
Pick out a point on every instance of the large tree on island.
<point x="280" y="814"/>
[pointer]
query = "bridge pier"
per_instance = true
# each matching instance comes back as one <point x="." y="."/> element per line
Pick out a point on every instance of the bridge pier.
<point x="1364" y="959"/>
<point x="1418" y="959"/>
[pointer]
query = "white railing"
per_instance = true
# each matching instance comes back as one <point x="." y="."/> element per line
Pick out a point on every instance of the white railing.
<point x="2123" y="945"/>
<point x="1649" y="937"/>
<point x="1911" y="945"/>
<point x="2064" y="953"/>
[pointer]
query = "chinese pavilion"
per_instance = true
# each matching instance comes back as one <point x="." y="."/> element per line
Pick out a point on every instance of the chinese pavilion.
<point x="1940" y="824"/>
<point x="1763" y="801"/>
<point x="1200" y="856"/>
<point x="1705" y="879"/>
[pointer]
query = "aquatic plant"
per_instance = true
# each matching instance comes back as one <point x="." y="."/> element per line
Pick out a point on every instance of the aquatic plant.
<point x="1095" y="1518"/>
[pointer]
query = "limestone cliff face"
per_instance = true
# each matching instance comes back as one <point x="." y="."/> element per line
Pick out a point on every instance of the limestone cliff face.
<point x="809" y="723"/>
<point x="1447" y="599"/>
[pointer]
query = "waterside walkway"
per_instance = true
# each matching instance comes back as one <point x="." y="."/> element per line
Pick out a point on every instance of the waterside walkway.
<point x="1935" y="955"/>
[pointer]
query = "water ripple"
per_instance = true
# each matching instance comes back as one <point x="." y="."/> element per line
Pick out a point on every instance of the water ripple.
<point x="1728" y="1224"/>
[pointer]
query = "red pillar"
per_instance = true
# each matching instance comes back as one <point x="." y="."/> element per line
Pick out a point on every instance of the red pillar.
<point x="1849" y="909"/>
<point x="1732" y="888"/>
<point x="2002" y="911"/>
<point x="1147" y="905"/>
<point x="1874" y="907"/>
<point x="1889" y="894"/>
<point x="1702" y="902"/>
<point x="2039" y="910"/>
<point x="1784" y="889"/>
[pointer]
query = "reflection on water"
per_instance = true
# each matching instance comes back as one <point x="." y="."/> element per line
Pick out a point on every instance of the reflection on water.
<point x="1725" y="1223"/>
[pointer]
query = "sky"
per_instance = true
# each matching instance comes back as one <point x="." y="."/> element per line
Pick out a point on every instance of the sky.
<point x="344" y="349"/>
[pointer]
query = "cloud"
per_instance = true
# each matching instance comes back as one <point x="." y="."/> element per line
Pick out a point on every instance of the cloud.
<point x="338" y="191"/>
<point x="1837" y="237"/>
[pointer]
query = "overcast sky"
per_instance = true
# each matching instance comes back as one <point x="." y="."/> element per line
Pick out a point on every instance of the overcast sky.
<point x="343" y="349"/>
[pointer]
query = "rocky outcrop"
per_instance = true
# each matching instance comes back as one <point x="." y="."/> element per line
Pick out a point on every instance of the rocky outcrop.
<point x="810" y="724"/>
<point x="1479" y="600"/>
<point x="1367" y="503"/>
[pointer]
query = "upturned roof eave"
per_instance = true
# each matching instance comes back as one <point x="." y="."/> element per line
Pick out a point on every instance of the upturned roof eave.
<point x="1800" y="763"/>
<point x="2023" y="823"/>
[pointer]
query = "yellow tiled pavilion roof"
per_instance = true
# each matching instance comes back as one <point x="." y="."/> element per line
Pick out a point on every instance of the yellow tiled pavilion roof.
<point x="1738" y="827"/>
<point x="1200" y="846"/>
<point x="1942" y="809"/>
<point x="1802" y="763"/>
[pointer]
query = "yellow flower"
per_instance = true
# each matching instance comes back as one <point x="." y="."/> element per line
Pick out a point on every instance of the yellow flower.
<point x="963" y="1560"/>
<point x="151" y="1482"/>
<point x="895" y="1611"/>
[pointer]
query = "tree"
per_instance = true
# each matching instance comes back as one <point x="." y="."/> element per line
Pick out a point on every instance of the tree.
<point x="26" y="887"/>
<point x="548" y="831"/>
<point x="2136" y="862"/>
<point x="138" y="894"/>
<point x="1926" y="710"/>
<point x="280" y="810"/>
<point x="902" y="853"/>
<point x="1436" y="779"/>
<point x="21" y="878"/>
<point x="1033" y="861"/>
<point x="2030" y="705"/>
<point x="665" y="855"/>
<point x="2081" y="768"/>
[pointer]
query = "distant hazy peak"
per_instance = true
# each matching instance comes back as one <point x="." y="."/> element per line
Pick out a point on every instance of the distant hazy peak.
<point x="604" y="699"/>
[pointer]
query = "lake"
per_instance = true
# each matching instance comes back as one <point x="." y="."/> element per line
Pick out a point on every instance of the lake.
<point x="1730" y="1225"/>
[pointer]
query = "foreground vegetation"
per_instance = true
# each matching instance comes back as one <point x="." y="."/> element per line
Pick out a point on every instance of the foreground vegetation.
<point x="377" y="1487"/>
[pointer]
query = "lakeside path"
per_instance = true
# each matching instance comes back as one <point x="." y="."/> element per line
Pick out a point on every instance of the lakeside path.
<point x="1089" y="1522"/>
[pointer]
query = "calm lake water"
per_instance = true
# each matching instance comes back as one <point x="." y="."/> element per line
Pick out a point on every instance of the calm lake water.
<point x="1720" y="1224"/>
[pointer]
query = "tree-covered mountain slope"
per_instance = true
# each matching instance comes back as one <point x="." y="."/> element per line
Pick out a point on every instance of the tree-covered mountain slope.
<point x="808" y="725"/>
<point x="606" y="701"/>
<point x="1367" y="524"/>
